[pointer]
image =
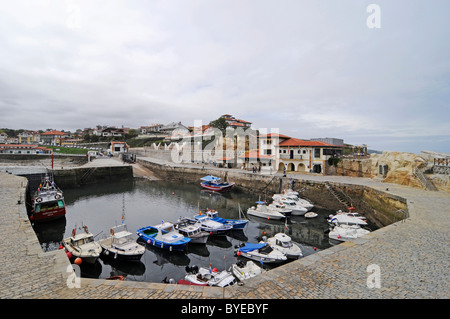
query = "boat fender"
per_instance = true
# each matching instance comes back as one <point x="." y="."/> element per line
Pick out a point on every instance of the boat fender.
<point x="111" y="231"/>
<point x="115" y="256"/>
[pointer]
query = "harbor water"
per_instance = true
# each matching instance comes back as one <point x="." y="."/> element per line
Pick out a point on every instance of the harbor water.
<point x="144" y="203"/>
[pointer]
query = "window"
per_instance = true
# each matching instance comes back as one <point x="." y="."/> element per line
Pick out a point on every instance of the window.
<point x="317" y="152"/>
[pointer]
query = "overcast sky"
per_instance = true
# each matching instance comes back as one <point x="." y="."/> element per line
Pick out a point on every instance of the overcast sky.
<point x="309" y="68"/>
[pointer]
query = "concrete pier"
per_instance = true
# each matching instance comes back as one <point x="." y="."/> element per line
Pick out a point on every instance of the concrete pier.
<point x="408" y="259"/>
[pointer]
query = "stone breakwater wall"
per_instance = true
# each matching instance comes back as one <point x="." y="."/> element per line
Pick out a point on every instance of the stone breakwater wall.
<point x="379" y="207"/>
<point x="79" y="176"/>
<point x="45" y="160"/>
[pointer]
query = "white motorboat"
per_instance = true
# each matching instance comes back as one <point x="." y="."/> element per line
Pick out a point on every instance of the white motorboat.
<point x="311" y="215"/>
<point x="347" y="232"/>
<point x="83" y="246"/>
<point x="261" y="252"/>
<point x="281" y="208"/>
<point x="121" y="246"/>
<point x="297" y="200"/>
<point x="202" y="276"/>
<point x="297" y="209"/>
<point x="264" y="211"/>
<point x="191" y="230"/>
<point x="347" y="218"/>
<point x="246" y="269"/>
<point x="284" y="244"/>
<point x="211" y="226"/>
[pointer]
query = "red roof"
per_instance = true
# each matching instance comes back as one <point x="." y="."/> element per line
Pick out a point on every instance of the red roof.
<point x="54" y="132"/>
<point x="298" y="142"/>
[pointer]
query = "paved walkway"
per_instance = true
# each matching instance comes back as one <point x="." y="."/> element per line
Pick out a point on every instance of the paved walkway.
<point x="412" y="257"/>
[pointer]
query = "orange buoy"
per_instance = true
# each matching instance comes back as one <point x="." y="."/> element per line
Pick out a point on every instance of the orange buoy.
<point x="78" y="261"/>
<point x="69" y="254"/>
<point x="61" y="246"/>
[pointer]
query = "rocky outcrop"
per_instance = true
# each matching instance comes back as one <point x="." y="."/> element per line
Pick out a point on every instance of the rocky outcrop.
<point x="391" y="167"/>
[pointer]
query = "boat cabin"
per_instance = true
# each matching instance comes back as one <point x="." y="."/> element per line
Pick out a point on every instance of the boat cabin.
<point x="283" y="240"/>
<point x="189" y="230"/>
<point x="81" y="239"/>
<point x="48" y="206"/>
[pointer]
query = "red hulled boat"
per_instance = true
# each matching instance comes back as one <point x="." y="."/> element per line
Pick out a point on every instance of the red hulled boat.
<point x="47" y="202"/>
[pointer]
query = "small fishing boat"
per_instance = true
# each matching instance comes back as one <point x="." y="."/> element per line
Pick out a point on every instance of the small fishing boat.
<point x="246" y="269"/>
<point x="311" y="215"/>
<point x="163" y="236"/>
<point x="264" y="211"/>
<point x="261" y="252"/>
<point x="347" y="232"/>
<point x="211" y="226"/>
<point x="214" y="183"/>
<point x="214" y="215"/>
<point x="121" y="246"/>
<point x="82" y="246"/>
<point x="201" y="276"/>
<point x="284" y="244"/>
<point x="47" y="202"/>
<point x="281" y="208"/>
<point x="193" y="231"/>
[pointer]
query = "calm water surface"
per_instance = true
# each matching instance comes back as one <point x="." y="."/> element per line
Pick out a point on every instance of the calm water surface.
<point x="146" y="203"/>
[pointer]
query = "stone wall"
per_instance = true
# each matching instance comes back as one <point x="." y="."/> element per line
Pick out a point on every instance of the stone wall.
<point x="80" y="176"/>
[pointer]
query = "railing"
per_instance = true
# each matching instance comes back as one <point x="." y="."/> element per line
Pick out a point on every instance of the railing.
<point x="429" y="186"/>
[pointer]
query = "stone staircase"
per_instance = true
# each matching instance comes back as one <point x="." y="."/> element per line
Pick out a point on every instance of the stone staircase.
<point x="429" y="186"/>
<point x="339" y="195"/>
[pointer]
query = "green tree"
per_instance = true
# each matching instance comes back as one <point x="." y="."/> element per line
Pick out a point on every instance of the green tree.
<point x="220" y="123"/>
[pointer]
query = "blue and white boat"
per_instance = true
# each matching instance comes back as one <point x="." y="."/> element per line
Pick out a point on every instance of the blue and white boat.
<point x="261" y="252"/>
<point x="211" y="226"/>
<point x="214" y="215"/>
<point x="163" y="236"/>
<point x="214" y="183"/>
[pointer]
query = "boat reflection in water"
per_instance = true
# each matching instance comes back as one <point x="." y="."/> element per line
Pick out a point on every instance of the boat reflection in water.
<point x="149" y="202"/>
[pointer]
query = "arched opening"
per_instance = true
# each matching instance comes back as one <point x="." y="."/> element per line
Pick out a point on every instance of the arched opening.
<point x="291" y="167"/>
<point x="281" y="167"/>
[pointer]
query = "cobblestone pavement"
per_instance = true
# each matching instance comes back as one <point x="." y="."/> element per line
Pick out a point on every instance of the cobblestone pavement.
<point x="412" y="257"/>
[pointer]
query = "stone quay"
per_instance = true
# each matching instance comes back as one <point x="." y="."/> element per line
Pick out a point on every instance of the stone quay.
<point x="405" y="260"/>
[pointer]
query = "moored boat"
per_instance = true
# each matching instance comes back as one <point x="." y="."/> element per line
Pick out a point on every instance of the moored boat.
<point x="212" y="277"/>
<point x="214" y="215"/>
<point x="193" y="231"/>
<point x="281" y="208"/>
<point x="163" y="236"/>
<point x="47" y="202"/>
<point x="297" y="200"/>
<point x="284" y="244"/>
<point x="347" y="232"/>
<point x="82" y="246"/>
<point x="215" y="184"/>
<point x="261" y="252"/>
<point x="121" y="246"/>
<point x="264" y="211"/>
<point x="211" y="226"/>
<point x="246" y="269"/>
